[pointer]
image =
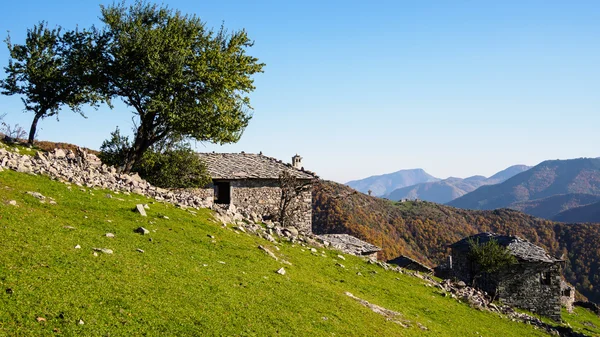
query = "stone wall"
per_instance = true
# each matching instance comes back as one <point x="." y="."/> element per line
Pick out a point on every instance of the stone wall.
<point x="534" y="287"/>
<point x="527" y="285"/>
<point x="260" y="199"/>
<point x="567" y="295"/>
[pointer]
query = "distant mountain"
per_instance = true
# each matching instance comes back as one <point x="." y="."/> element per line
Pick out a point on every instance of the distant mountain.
<point x="588" y="213"/>
<point x="384" y="184"/>
<point x="549" y="208"/>
<point x="549" y="178"/>
<point x="446" y="190"/>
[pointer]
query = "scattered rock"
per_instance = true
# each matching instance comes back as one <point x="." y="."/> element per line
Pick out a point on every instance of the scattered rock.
<point x="80" y="322"/>
<point x="139" y="250"/>
<point x="103" y="250"/>
<point x="68" y="227"/>
<point x="341" y="257"/>
<point x="36" y="195"/>
<point x="270" y="253"/>
<point x="78" y="247"/>
<point x="221" y="262"/>
<point x="109" y="235"/>
<point x="13" y="202"/>
<point x="142" y="230"/>
<point x="340" y="265"/>
<point x="211" y="236"/>
<point x="40" y="319"/>
<point x="109" y="196"/>
<point x="140" y="209"/>
<point x="281" y="271"/>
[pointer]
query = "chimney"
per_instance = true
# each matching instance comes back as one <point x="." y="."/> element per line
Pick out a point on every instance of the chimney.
<point x="297" y="161"/>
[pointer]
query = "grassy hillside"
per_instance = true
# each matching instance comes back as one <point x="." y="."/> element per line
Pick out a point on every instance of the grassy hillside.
<point x="194" y="277"/>
<point x="423" y="230"/>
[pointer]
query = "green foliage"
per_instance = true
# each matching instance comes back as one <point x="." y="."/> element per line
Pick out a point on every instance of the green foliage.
<point x="490" y="256"/>
<point x="178" y="76"/>
<point x="179" y="287"/>
<point x="179" y="167"/>
<point x="51" y="70"/>
<point x="113" y="151"/>
<point x="170" y="163"/>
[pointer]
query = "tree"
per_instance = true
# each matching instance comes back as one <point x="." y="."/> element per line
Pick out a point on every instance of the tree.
<point x="51" y="70"/>
<point x="179" y="77"/>
<point x="489" y="257"/>
<point x="291" y="189"/>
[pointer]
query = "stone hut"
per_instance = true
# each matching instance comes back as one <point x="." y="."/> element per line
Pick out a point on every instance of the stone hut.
<point x="249" y="184"/>
<point x="408" y="263"/>
<point x="351" y="245"/>
<point x="534" y="283"/>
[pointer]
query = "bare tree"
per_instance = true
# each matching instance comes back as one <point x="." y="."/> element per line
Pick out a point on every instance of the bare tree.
<point x="291" y="189"/>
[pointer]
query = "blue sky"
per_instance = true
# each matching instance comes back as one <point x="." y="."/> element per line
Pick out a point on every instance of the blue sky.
<point x="457" y="88"/>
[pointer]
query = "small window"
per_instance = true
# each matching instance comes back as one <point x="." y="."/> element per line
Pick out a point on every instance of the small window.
<point x="222" y="192"/>
<point x="567" y="292"/>
<point x="546" y="278"/>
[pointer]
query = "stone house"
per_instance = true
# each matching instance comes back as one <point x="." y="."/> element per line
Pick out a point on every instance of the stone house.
<point x="249" y="184"/>
<point x="411" y="264"/>
<point x="350" y="245"/>
<point x="533" y="283"/>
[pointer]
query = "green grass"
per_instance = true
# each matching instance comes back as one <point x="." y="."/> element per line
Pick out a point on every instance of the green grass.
<point x="179" y="287"/>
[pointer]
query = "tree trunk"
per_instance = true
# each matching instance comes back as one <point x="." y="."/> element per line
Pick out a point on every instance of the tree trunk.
<point x="33" y="128"/>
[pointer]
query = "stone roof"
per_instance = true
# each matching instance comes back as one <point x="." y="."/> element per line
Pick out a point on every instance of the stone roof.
<point x="349" y="244"/>
<point x="522" y="249"/>
<point x="408" y="263"/>
<point x="248" y="166"/>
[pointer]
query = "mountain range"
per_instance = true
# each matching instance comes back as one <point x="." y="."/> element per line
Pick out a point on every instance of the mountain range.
<point x="418" y="184"/>
<point x="382" y="185"/>
<point x="544" y="190"/>
<point x="443" y="191"/>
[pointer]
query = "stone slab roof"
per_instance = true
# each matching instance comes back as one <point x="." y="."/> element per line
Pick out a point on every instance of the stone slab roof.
<point x="349" y="244"/>
<point x="248" y="166"/>
<point x="522" y="249"/>
<point x="408" y="263"/>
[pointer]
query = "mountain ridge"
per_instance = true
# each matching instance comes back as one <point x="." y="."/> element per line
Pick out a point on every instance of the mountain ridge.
<point x="382" y="184"/>
<point x="446" y="190"/>
<point x="547" y="179"/>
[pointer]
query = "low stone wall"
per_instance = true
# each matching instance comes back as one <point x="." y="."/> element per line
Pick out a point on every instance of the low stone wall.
<point x="84" y="169"/>
<point x="262" y="198"/>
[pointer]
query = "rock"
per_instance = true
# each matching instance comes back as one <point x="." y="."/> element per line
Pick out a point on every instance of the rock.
<point x="211" y="236"/>
<point x="140" y="209"/>
<point x="292" y="231"/>
<point x="341" y="257"/>
<point x="13" y="202"/>
<point x="281" y="271"/>
<point x="165" y="217"/>
<point x="340" y="265"/>
<point x="109" y="235"/>
<point x="103" y="250"/>
<point x="36" y="195"/>
<point x="142" y="230"/>
<point x="270" y="253"/>
<point x="80" y="322"/>
<point x="78" y="247"/>
<point x="59" y="153"/>
<point x="40" y="319"/>
<point x="461" y="284"/>
<point x="139" y="250"/>
<point x="146" y="206"/>
<point x="109" y="196"/>
<point x="313" y="250"/>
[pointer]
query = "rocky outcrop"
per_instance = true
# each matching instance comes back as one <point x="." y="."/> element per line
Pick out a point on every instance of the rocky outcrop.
<point x="85" y="169"/>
